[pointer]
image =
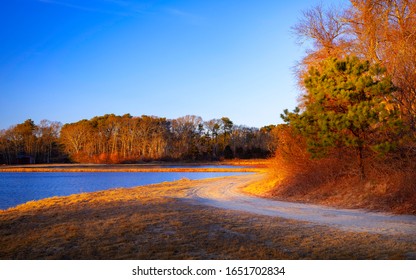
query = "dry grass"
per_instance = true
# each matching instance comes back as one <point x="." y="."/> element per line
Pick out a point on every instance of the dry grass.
<point x="259" y="163"/>
<point x="389" y="185"/>
<point x="262" y="188"/>
<point x="245" y="167"/>
<point x="34" y="169"/>
<point x="154" y="222"/>
<point x="335" y="181"/>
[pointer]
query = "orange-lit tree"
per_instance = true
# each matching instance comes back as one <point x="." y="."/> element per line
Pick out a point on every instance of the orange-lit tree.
<point x="347" y="104"/>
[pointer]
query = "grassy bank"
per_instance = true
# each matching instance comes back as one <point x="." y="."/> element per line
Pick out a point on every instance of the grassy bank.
<point x="239" y="166"/>
<point x="121" y="169"/>
<point x="331" y="182"/>
<point x="157" y="222"/>
<point x="346" y="192"/>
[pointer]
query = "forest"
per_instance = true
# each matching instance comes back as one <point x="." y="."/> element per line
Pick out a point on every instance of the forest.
<point x="354" y="130"/>
<point x="128" y="139"/>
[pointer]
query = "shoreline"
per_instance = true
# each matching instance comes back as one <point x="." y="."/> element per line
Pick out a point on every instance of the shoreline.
<point x="75" y="179"/>
<point x="238" y="166"/>
<point x="155" y="170"/>
<point x="162" y="221"/>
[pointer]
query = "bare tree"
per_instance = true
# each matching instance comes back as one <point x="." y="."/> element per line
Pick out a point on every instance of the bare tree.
<point x="326" y="31"/>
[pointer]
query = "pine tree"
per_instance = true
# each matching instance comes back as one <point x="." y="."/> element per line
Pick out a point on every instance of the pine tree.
<point x="347" y="104"/>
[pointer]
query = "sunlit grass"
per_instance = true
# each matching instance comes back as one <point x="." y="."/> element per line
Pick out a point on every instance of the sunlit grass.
<point x="244" y="166"/>
<point x="157" y="222"/>
<point x="262" y="188"/>
<point x="180" y="169"/>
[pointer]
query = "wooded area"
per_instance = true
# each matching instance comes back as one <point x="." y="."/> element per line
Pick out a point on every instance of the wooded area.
<point x="354" y="128"/>
<point x="128" y="139"/>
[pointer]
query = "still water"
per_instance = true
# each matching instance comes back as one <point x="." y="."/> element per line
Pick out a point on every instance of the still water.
<point x="17" y="188"/>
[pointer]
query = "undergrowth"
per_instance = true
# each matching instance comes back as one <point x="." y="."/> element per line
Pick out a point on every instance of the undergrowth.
<point x="389" y="184"/>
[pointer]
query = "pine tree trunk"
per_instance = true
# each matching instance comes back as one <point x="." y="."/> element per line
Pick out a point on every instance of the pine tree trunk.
<point x="361" y="163"/>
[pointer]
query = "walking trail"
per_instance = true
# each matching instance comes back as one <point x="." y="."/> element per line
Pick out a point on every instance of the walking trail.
<point x="227" y="194"/>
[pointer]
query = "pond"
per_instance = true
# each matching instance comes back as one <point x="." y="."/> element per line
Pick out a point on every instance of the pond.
<point x="20" y="187"/>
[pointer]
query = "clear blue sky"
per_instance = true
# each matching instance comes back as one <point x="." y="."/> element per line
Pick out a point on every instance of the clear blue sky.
<point x="67" y="60"/>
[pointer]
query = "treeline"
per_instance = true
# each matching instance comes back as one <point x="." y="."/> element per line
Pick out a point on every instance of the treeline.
<point x="355" y="125"/>
<point x="30" y="143"/>
<point x="128" y="139"/>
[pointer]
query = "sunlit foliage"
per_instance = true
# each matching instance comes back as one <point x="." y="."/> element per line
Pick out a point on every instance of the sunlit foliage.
<point x="124" y="139"/>
<point x="352" y="139"/>
<point x="348" y="103"/>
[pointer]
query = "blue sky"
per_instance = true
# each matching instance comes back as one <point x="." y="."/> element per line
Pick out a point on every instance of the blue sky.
<point x="67" y="60"/>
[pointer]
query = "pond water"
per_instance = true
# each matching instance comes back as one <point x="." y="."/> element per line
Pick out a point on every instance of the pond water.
<point x="20" y="187"/>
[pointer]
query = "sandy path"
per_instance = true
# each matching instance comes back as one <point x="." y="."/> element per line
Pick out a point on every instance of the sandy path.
<point x="225" y="194"/>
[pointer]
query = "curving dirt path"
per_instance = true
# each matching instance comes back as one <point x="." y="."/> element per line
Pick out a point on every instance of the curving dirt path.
<point x="226" y="194"/>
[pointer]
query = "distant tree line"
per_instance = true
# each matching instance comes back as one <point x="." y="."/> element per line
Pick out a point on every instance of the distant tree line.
<point x="128" y="139"/>
<point x="30" y="143"/>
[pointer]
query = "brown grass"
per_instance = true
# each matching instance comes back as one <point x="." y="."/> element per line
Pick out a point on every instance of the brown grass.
<point x="389" y="186"/>
<point x="34" y="169"/>
<point x="259" y="163"/>
<point x="245" y="167"/>
<point x="155" y="222"/>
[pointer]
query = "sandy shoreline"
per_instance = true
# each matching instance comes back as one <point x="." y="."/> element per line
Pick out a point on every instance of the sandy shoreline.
<point x="165" y="221"/>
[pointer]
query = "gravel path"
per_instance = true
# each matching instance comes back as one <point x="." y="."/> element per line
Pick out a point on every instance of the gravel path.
<point x="226" y="194"/>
